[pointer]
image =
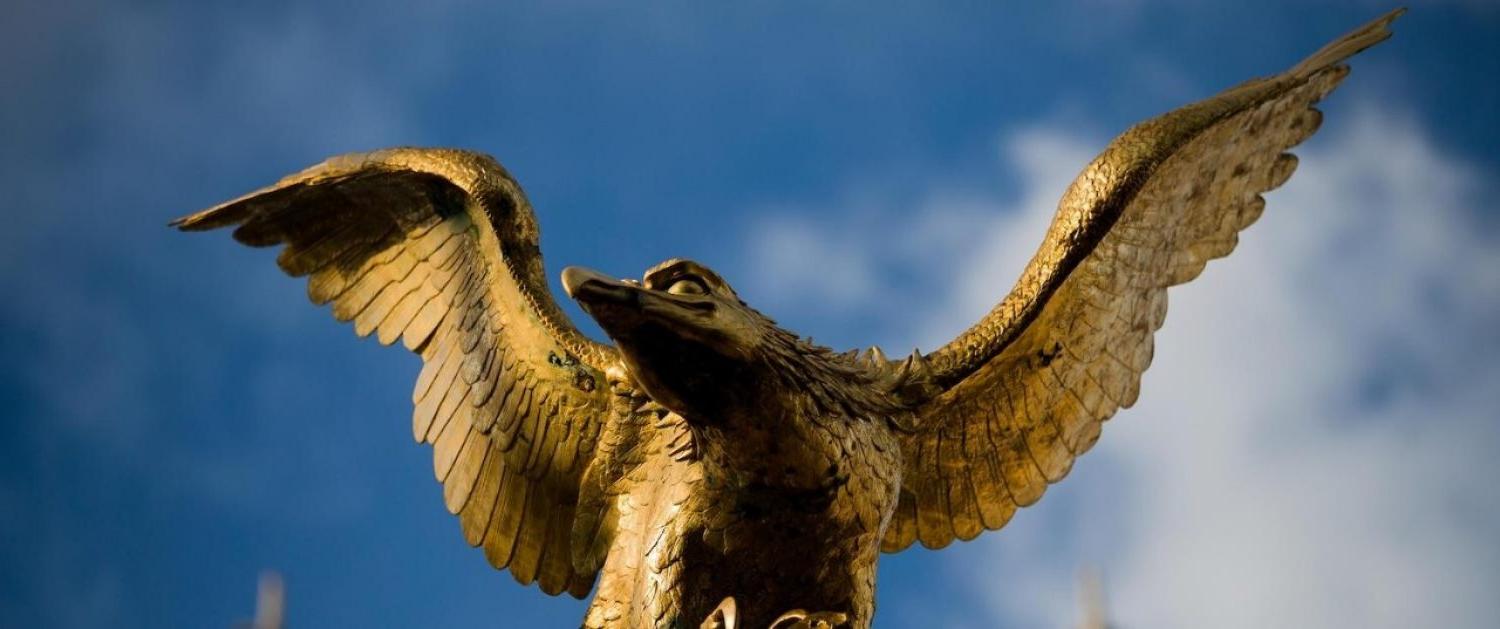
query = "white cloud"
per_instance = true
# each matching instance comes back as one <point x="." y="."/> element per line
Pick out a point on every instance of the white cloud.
<point x="1325" y="465"/>
<point x="1311" y="447"/>
<point x="893" y="249"/>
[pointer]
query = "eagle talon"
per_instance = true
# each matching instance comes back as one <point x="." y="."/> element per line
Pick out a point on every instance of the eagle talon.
<point x="726" y="616"/>
<point x="801" y="619"/>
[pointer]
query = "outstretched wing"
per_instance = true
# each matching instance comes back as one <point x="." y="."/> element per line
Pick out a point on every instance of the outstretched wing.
<point x="439" y="248"/>
<point x="1005" y="408"/>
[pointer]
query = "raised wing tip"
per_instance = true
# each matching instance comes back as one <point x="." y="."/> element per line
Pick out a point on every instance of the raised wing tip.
<point x="1359" y="39"/>
<point x="231" y="212"/>
<point x="1381" y="25"/>
<point x="186" y="223"/>
<point x="200" y="221"/>
<point x="1378" y="27"/>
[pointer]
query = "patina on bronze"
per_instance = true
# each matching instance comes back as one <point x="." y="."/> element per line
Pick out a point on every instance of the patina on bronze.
<point x="712" y="465"/>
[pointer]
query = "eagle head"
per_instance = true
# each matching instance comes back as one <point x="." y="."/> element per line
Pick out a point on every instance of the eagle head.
<point x="683" y="333"/>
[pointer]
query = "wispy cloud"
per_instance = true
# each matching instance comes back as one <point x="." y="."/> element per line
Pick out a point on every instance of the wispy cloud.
<point x="1310" y="446"/>
<point x="1312" y="452"/>
<point x="174" y="403"/>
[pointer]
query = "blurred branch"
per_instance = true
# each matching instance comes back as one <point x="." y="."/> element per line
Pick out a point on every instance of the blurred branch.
<point x="1091" y="599"/>
<point x="270" y="603"/>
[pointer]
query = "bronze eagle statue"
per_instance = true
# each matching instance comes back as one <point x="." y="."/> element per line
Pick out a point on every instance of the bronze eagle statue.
<point x="709" y="456"/>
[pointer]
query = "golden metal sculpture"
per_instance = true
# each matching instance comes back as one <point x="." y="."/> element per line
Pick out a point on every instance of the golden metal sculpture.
<point x="711" y="455"/>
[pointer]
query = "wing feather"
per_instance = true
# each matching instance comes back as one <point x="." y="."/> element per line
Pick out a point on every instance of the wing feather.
<point x="500" y="541"/>
<point x="455" y="429"/>
<point x="475" y="518"/>
<point x="1007" y="407"/>
<point x="438" y="248"/>
<point x="532" y="537"/>
<point x="465" y="472"/>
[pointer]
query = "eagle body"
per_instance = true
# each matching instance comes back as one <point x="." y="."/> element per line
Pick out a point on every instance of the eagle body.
<point x="708" y="466"/>
<point x="772" y="484"/>
<point x="751" y="517"/>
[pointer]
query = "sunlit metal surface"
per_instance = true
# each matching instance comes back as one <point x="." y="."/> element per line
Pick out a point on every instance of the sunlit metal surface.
<point x="709" y="454"/>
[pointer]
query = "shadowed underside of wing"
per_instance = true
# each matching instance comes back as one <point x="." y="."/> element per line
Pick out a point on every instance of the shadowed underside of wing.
<point x="439" y="249"/>
<point x="1022" y="393"/>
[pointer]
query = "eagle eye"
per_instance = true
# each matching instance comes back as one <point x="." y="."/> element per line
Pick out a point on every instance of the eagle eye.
<point x="688" y="286"/>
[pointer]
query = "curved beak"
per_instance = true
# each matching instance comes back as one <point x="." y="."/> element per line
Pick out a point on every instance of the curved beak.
<point x="588" y="285"/>
<point x="631" y="313"/>
<point x="621" y="305"/>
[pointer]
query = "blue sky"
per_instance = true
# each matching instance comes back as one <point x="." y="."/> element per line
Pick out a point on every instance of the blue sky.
<point x="1313" y="445"/>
